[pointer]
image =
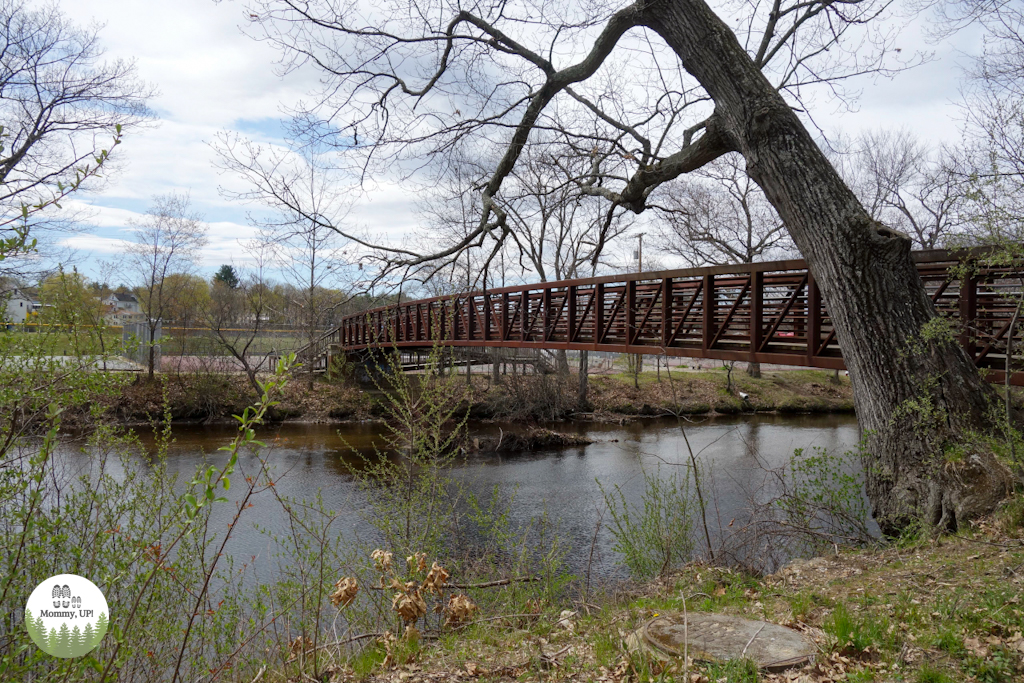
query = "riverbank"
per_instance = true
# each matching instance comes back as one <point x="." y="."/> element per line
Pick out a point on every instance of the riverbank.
<point x="216" y="397"/>
<point x="941" y="610"/>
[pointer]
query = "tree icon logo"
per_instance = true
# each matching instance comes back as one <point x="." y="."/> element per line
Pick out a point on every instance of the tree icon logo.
<point x="66" y="615"/>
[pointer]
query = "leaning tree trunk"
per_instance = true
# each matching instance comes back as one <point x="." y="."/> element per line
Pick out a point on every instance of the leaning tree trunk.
<point x="916" y="391"/>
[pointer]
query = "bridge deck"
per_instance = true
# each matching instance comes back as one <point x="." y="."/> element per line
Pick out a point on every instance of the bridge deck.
<point x="767" y="312"/>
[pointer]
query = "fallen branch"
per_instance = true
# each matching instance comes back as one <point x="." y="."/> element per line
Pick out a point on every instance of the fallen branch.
<point x="345" y="641"/>
<point x="486" y="584"/>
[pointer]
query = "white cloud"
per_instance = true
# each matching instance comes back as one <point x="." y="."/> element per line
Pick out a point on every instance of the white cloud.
<point x="211" y="77"/>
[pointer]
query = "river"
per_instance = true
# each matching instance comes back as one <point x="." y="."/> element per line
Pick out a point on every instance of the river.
<point x="563" y="484"/>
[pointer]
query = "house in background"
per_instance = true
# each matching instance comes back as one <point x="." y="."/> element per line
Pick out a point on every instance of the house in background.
<point x="121" y="308"/>
<point x="20" y="305"/>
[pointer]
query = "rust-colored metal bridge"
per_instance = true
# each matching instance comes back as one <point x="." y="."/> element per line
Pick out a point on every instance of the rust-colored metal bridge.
<point x="766" y="312"/>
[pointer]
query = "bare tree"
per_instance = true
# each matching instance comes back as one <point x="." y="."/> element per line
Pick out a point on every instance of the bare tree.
<point x="906" y="184"/>
<point x="313" y="256"/>
<point x="62" y="109"/>
<point x="560" y="231"/>
<point x="166" y="242"/>
<point x="719" y="216"/>
<point x="994" y="114"/>
<point x="237" y="317"/>
<point x="412" y="83"/>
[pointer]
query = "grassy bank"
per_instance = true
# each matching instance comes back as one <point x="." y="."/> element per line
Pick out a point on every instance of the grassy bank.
<point x="206" y="396"/>
<point x="926" y="611"/>
<point x="704" y="391"/>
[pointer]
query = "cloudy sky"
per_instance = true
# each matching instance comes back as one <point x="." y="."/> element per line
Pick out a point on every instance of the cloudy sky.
<point x="213" y="78"/>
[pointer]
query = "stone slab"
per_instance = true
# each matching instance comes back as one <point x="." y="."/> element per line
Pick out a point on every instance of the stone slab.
<point x="718" y="637"/>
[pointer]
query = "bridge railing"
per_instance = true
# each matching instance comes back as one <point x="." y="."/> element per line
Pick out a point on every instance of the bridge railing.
<point x="767" y="312"/>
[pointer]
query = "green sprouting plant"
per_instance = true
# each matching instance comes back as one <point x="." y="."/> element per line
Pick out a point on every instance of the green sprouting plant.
<point x="734" y="671"/>
<point x="824" y="498"/>
<point x="411" y="496"/>
<point x="854" y="632"/>
<point x="657" y="538"/>
<point x="208" y="481"/>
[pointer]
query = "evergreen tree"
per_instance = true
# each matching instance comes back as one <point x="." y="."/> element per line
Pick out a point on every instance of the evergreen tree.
<point x="63" y="648"/>
<point x="226" y="275"/>
<point x="76" y="646"/>
<point x="51" y="643"/>
<point x="101" y="629"/>
<point x="35" y="627"/>
<point x="89" y="639"/>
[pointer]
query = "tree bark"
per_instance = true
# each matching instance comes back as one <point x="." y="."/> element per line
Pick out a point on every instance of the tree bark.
<point x="916" y="393"/>
<point x="582" y="398"/>
<point x="754" y="369"/>
<point x="562" y="363"/>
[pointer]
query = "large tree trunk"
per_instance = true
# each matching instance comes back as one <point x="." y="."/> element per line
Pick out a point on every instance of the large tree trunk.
<point x="916" y="391"/>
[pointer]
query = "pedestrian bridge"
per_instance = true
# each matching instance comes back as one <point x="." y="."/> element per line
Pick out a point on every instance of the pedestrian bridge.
<point x="768" y="312"/>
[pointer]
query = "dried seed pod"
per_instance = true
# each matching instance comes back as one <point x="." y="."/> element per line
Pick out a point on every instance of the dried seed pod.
<point x="417" y="562"/>
<point x="344" y="592"/>
<point x="382" y="558"/>
<point x="459" y="610"/>
<point x="410" y="606"/>
<point x="436" y="579"/>
<point x="297" y="646"/>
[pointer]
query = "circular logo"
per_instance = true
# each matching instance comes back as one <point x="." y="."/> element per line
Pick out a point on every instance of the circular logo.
<point x="66" y="615"/>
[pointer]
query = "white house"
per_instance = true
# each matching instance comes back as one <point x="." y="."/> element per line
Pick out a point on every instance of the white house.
<point x="18" y="306"/>
<point x="121" y="308"/>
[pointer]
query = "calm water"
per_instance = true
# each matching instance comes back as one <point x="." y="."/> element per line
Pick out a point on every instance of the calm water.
<point x="560" y="483"/>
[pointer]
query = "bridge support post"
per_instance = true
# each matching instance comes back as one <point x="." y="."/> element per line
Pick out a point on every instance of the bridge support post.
<point x="630" y="312"/>
<point x="487" y="317"/>
<point x="968" y="314"/>
<point x="756" y="313"/>
<point x="813" y="317"/>
<point x="710" y="304"/>
<point x="570" y="329"/>
<point x="666" y="311"/>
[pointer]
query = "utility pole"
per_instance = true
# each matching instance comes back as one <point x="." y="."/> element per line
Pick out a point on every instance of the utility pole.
<point x="638" y="359"/>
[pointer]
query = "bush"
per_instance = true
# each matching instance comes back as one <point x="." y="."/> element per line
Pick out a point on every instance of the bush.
<point x="657" y="539"/>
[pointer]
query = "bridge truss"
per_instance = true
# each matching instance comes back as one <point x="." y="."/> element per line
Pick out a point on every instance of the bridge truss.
<point x="766" y="312"/>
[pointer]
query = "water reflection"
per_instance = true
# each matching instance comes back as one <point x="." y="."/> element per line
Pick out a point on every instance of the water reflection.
<point x="561" y="484"/>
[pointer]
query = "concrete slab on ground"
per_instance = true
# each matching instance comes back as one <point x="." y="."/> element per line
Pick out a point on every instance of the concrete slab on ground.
<point x="719" y="637"/>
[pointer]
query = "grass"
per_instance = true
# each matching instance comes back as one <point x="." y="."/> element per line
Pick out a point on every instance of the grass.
<point x="58" y="342"/>
<point x="705" y="390"/>
<point x="925" y="611"/>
